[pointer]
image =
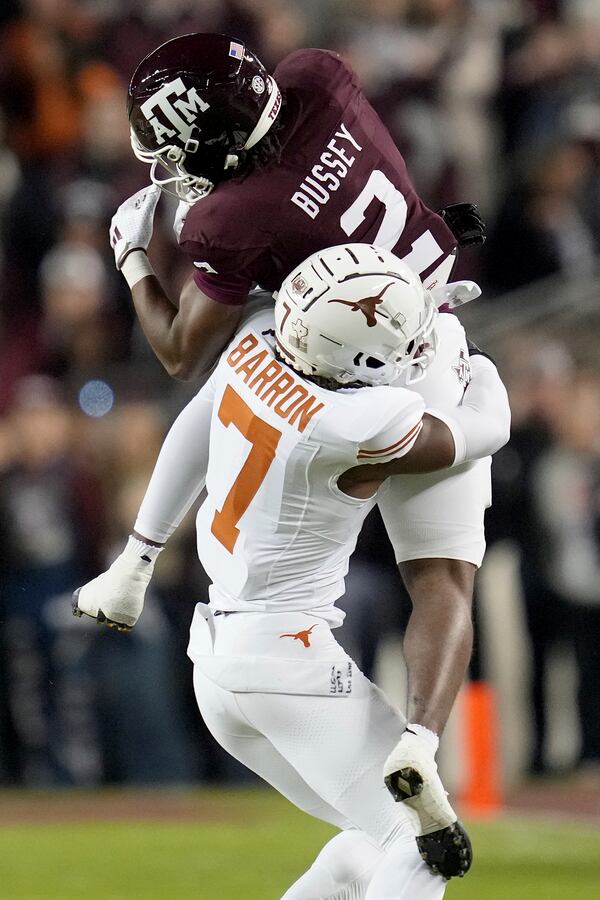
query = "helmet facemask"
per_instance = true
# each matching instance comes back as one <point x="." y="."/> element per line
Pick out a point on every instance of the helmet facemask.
<point x="176" y="180"/>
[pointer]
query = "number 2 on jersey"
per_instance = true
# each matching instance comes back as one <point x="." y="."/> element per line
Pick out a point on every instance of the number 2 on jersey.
<point x="425" y="249"/>
<point x="264" y="439"/>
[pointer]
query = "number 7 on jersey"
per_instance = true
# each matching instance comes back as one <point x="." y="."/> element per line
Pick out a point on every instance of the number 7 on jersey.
<point x="264" y="439"/>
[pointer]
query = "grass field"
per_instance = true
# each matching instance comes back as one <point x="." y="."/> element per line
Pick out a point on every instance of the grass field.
<point x="247" y="845"/>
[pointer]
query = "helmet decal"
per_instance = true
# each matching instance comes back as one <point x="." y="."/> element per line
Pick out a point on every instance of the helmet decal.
<point x="236" y="50"/>
<point x="173" y="110"/>
<point x="268" y="115"/>
<point x="299" y="285"/>
<point x="366" y="305"/>
<point x="300" y="333"/>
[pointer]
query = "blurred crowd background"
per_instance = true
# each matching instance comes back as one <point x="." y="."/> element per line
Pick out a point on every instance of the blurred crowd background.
<point x="494" y="101"/>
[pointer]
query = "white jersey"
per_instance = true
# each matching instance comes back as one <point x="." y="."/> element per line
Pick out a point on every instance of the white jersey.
<point x="275" y="531"/>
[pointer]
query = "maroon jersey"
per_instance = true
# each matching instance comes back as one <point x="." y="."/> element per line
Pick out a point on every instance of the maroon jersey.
<point x="341" y="178"/>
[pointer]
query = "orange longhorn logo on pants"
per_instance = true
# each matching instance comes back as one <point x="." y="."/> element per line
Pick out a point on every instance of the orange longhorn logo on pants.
<point x="303" y="636"/>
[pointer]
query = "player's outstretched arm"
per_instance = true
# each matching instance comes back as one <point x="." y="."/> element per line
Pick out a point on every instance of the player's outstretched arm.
<point x="116" y="597"/>
<point x="186" y="336"/>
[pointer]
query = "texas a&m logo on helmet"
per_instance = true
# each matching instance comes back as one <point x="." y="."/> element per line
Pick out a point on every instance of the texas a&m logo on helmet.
<point x="173" y="110"/>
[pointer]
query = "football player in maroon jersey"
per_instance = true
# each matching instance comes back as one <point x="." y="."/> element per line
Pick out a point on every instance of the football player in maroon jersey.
<point x="270" y="169"/>
<point x="300" y="162"/>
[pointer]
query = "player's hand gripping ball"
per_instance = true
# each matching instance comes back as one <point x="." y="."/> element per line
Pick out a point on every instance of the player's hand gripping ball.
<point x="132" y="224"/>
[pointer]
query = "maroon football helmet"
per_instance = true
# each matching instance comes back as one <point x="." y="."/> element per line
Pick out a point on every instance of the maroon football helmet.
<point x="196" y="105"/>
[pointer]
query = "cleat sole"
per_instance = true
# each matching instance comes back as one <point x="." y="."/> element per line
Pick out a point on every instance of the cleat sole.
<point x="447" y="852"/>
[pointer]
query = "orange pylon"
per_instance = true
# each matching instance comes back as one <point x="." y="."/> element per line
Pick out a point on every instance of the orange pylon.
<point x="482" y="794"/>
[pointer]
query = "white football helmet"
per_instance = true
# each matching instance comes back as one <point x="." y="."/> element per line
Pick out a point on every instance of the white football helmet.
<point x="356" y="313"/>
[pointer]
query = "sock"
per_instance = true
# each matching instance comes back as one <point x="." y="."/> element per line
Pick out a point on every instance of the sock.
<point x="341" y="871"/>
<point x="141" y="549"/>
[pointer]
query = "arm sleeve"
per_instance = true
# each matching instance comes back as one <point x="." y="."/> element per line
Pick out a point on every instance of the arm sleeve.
<point x="481" y="424"/>
<point x="180" y="471"/>
<point x="399" y="431"/>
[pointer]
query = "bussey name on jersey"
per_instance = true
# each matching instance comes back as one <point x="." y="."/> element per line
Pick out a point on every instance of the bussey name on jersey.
<point x="273" y="383"/>
<point x="316" y="189"/>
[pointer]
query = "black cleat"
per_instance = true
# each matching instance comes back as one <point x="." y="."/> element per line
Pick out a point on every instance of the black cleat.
<point x="447" y="852"/>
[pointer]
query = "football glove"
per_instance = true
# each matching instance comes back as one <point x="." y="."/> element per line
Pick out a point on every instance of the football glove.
<point x="455" y="294"/>
<point x="465" y="222"/>
<point x="132" y="225"/>
<point x="116" y="597"/>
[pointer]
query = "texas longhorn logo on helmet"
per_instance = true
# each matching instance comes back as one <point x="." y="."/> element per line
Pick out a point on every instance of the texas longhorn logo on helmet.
<point x="366" y="305"/>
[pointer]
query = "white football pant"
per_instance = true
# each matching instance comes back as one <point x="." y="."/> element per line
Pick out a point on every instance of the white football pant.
<point x="324" y="753"/>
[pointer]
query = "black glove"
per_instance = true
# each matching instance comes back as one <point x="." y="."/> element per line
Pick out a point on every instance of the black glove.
<point x="465" y="223"/>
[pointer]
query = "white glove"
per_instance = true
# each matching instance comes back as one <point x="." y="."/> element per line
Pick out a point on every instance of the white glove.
<point x="116" y="597"/>
<point x="132" y="225"/>
<point x="455" y="294"/>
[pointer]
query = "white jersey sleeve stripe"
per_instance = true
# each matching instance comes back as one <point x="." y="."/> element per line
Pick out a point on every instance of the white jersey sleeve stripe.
<point x="409" y="438"/>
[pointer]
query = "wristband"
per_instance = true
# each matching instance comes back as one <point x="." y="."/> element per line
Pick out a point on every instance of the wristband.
<point x="136" y="266"/>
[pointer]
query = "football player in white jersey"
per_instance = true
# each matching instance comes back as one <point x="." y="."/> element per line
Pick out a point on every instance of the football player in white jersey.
<point x="293" y="436"/>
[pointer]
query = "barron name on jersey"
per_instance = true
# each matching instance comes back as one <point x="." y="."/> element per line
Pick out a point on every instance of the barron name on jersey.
<point x="273" y="383"/>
